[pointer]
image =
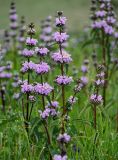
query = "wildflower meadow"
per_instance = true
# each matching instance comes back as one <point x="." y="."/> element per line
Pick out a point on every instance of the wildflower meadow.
<point x="59" y="89"/>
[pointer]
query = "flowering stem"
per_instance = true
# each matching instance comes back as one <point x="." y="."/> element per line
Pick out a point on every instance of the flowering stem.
<point x="63" y="90"/>
<point x="94" y="113"/>
<point x="45" y="122"/>
<point x="27" y="107"/>
<point x="104" y="63"/>
<point x="14" y="51"/>
<point x="23" y="103"/>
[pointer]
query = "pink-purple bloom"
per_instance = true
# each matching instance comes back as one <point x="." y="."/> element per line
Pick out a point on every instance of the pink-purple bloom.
<point x="84" y="69"/>
<point x="27" y="88"/>
<point x="28" y="53"/>
<point x="60" y="37"/>
<point x="31" y="41"/>
<point x="60" y="21"/>
<point x="42" y="68"/>
<point x="5" y="75"/>
<point x="45" y="113"/>
<point x="13" y="17"/>
<point x="109" y="30"/>
<point x="63" y="57"/>
<point x="64" y="138"/>
<point x="43" y="89"/>
<point x="96" y="99"/>
<point x="59" y="157"/>
<point x="42" y="51"/>
<point x="72" y="100"/>
<point x="54" y="104"/>
<point x="63" y="80"/>
<point x="28" y="66"/>
<point x="84" y="80"/>
<point x="100" y="13"/>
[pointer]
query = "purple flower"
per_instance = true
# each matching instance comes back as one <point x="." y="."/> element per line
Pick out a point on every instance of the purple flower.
<point x="99" y="24"/>
<point x="42" y="68"/>
<point x="45" y="38"/>
<point x="116" y="35"/>
<point x="109" y="30"/>
<point x="21" y="39"/>
<point x="60" y="37"/>
<point x="28" y="53"/>
<point x="47" y="30"/>
<point x="31" y="41"/>
<point x="79" y="87"/>
<point x="14" y="25"/>
<point x="2" y="68"/>
<point x="96" y="99"/>
<point x="54" y="104"/>
<point x="111" y="20"/>
<point x="84" y="69"/>
<point x="45" y="113"/>
<point x="28" y="66"/>
<point x="43" y="89"/>
<point x="53" y="112"/>
<point x="99" y="82"/>
<point x="72" y="100"/>
<point x="64" y="138"/>
<point x="32" y="98"/>
<point x="60" y="21"/>
<point x="13" y="17"/>
<point x="62" y="58"/>
<point x="84" y="80"/>
<point x="27" y="88"/>
<point x="5" y="75"/>
<point x="63" y="80"/>
<point x="100" y="14"/>
<point x="59" y="157"/>
<point x="42" y="51"/>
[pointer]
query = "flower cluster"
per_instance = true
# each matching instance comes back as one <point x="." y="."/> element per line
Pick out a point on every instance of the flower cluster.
<point x="103" y="16"/>
<point x="50" y="110"/>
<point x="31" y="41"/>
<point x="28" y="66"/>
<point x="96" y="99"/>
<point x="28" y="53"/>
<point x="43" y="89"/>
<point x="5" y="71"/>
<point x="64" y="138"/>
<point x="63" y="57"/>
<point x="63" y="80"/>
<point x="42" y="68"/>
<point x="100" y="82"/>
<point x="27" y="88"/>
<point x="72" y="100"/>
<point x="13" y="19"/>
<point x="59" y="157"/>
<point x="46" y="32"/>
<point x="60" y="37"/>
<point x="60" y="21"/>
<point x="42" y="51"/>
<point x="21" y="35"/>
<point x="84" y="69"/>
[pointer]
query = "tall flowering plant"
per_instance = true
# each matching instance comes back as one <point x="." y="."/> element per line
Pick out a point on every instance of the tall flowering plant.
<point x="13" y="29"/>
<point x="104" y="30"/>
<point x="62" y="58"/>
<point x="27" y="67"/>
